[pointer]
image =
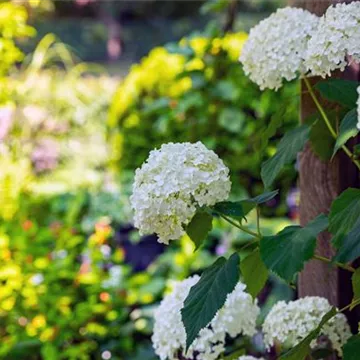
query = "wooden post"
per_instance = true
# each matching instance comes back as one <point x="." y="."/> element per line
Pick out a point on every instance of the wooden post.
<point x="320" y="183"/>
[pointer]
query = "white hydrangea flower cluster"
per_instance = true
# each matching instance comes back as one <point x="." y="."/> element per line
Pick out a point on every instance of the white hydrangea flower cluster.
<point x="336" y="38"/>
<point x="237" y="316"/>
<point x="289" y="323"/>
<point x="276" y="47"/>
<point x="358" y="108"/>
<point x="248" y="357"/>
<point x="173" y="182"/>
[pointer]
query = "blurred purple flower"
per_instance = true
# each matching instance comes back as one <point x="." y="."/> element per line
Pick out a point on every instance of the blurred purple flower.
<point x="45" y="156"/>
<point x="6" y="120"/>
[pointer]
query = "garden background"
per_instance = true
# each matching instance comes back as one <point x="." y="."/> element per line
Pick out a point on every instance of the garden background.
<point x="88" y="88"/>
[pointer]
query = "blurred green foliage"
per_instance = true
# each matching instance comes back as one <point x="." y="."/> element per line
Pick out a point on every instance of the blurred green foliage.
<point x="195" y="90"/>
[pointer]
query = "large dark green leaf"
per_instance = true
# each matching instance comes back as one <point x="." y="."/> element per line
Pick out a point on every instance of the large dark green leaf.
<point x="254" y="272"/>
<point x="287" y="252"/>
<point x="350" y="246"/>
<point x="301" y="350"/>
<point x="209" y="295"/>
<point x="199" y="227"/>
<point x="289" y="146"/>
<point x="239" y="209"/>
<point x="344" y="213"/>
<point x="233" y="209"/>
<point x="341" y="91"/>
<point x="351" y="349"/>
<point x="348" y="129"/>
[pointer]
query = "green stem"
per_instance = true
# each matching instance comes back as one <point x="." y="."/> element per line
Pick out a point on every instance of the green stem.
<point x="258" y="221"/>
<point x="240" y="226"/>
<point x="329" y="261"/>
<point x="351" y="305"/>
<point x="327" y="121"/>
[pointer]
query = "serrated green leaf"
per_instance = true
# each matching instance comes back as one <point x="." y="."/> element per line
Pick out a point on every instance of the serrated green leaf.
<point x="355" y="280"/>
<point x="341" y="91"/>
<point x="199" y="227"/>
<point x="348" y="129"/>
<point x="292" y="142"/>
<point x="286" y="253"/>
<point x="350" y="246"/>
<point x="351" y="349"/>
<point x="209" y="295"/>
<point x="301" y="350"/>
<point x="344" y="213"/>
<point x="254" y="272"/>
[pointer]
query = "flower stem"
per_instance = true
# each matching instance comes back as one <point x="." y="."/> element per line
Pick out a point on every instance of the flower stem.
<point x="240" y="226"/>
<point x="327" y="121"/>
<point x="329" y="261"/>
<point x="351" y="305"/>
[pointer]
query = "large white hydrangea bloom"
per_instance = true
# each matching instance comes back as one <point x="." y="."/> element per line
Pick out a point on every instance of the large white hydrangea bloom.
<point x="237" y="316"/>
<point x="276" y="47"/>
<point x="173" y="182"/>
<point x="249" y="357"/>
<point x="289" y="323"/>
<point x="336" y="38"/>
<point x="358" y="108"/>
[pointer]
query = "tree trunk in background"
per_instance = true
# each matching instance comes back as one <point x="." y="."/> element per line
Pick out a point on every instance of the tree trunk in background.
<point x="320" y="183"/>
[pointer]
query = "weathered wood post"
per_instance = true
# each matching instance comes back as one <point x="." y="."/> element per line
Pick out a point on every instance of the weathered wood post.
<point x="320" y="183"/>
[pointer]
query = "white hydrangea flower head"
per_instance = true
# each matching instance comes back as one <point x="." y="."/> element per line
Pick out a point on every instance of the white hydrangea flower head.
<point x="289" y="323"/>
<point x="249" y="357"/>
<point x="358" y="108"/>
<point x="237" y="316"/>
<point x="173" y="182"/>
<point x="276" y="47"/>
<point x="336" y="38"/>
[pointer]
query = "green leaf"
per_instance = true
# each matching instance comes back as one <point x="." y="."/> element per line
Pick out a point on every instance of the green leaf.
<point x="351" y="349"/>
<point x="231" y="119"/>
<point x="341" y="91"/>
<point x="213" y="6"/>
<point x="292" y="142"/>
<point x="199" y="227"/>
<point x="286" y="252"/>
<point x="209" y="295"/>
<point x="301" y="350"/>
<point x="355" y="280"/>
<point x="350" y="247"/>
<point x="348" y="129"/>
<point x="344" y="213"/>
<point x="321" y="141"/>
<point x="233" y="209"/>
<point x="254" y="272"/>
<point x="175" y="48"/>
<point x="264" y="197"/>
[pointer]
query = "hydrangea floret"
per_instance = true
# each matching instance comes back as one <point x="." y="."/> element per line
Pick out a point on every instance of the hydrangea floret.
<point x="172" y="184"/>
<point x="276" y="47"/>
<point x="249" y="357"/>
<point x="289" y="323"/>
<point x="237" y="316"/>
<point x="336" y="41"/>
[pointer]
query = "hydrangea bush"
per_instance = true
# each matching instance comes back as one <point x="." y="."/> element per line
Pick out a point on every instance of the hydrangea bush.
<point x="191" y="321"/>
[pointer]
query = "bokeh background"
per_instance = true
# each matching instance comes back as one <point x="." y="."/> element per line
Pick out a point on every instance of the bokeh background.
<point x="88" y="88"/>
